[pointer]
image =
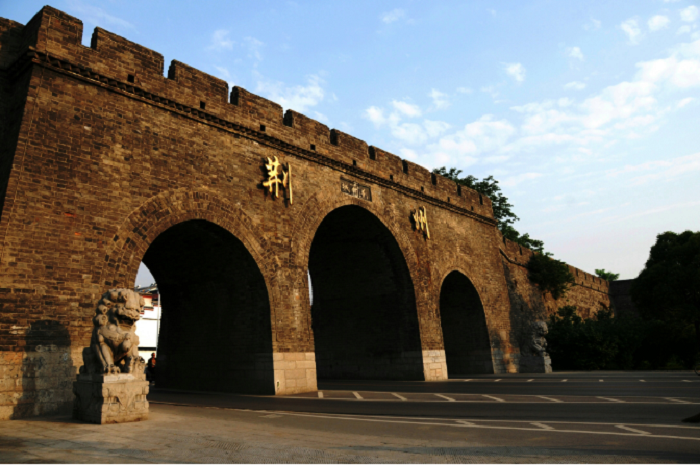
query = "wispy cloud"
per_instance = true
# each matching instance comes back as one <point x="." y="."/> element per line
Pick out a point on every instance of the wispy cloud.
<point x="632" y="29"/>
<point x="464" y="90"/>
<point x="393" y="15"/>
<point x="407" y="109"/>
<point x="440" y="99"/>
<point x="299" y="97"/>
<point x="97" y="16"/>
<point x="593" y="25"/>
<point x="254" y="47"/>
<point x="575" y="85"/>
<point x="515" y="70"/>
<point x="220" y="40"/>
<point x="575" y="53"/>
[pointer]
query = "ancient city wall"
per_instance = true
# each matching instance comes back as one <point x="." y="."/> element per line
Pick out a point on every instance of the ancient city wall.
<point x="102" y="154"/>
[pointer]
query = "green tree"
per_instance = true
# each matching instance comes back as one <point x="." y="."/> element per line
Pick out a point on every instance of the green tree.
<point x="668" y="288"/>
<point x="607" y="275"/>
<point x="550" y="275"/>
<point x="502" y="208"/>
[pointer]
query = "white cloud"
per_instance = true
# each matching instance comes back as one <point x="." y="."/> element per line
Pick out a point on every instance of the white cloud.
<point x="484" y="135"/>
<point x="220" y="40"/>
<point x="440" y="99"/>
<point x="658" y="22"/>
<point x="631" y="28"/>
<point x="375" y="115"/>
<point x="464" y="90"/>
<point x="409" y="133"/>
<point x="515" y="70"/>
<point x="393" y="15"/>
<point x="685" y="29"/>
<point x="298" y="98"/>
<point x="574" y="52"/>
<point x="321" y="117"/>
<point x="407" y="109"/>
<point x="690" y="14"/>
<point x="575" y="85"/>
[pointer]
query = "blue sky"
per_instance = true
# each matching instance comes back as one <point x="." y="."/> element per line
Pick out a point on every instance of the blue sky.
<point x="587" y="112"/>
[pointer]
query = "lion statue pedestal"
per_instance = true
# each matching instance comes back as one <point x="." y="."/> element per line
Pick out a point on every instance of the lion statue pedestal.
<point x="534" y="357"/>
<point x="111" y="386"/>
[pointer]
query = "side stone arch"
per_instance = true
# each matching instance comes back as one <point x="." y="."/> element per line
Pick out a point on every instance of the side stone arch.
<point x="167" y="209"/>
<point x="467" y="333"/>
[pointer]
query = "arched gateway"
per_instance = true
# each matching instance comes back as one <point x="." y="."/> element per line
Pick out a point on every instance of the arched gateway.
<point x="105" y="162"/>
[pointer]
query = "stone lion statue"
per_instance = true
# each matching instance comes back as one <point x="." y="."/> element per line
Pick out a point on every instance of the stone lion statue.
<point x="537" y="341"/>
<point x="114" y="347"/>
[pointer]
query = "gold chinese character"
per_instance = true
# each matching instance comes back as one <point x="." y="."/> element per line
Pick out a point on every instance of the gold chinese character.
<point x="421" y="219"/>
<point x="273" y="181"/>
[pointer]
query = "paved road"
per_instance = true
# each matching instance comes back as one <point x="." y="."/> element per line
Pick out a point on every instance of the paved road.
<point x="583" y="397"/>
<point x="625" y="418"/>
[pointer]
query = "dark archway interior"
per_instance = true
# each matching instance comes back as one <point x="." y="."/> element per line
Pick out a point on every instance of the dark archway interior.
<point x="216" y="329"/>
<point x="464" y="330"/>
<point x="364" y="315"/>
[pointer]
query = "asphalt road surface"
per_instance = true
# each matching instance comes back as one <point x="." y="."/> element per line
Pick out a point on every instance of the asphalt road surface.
<point x="600" y="416"/>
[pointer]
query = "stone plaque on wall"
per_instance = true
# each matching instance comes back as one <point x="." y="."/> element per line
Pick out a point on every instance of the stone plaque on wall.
<point x="356" y="190"/>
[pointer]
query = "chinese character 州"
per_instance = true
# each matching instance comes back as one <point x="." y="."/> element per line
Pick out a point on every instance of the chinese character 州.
<point x="273" y="181"/>
<point x="421" y="219"/>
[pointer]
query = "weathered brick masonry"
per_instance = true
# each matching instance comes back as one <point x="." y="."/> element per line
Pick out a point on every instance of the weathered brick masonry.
<point x="104" y="162"/>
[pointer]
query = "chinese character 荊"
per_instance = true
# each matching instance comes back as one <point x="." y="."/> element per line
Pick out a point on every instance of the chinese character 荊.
<point x="273" y="181"/>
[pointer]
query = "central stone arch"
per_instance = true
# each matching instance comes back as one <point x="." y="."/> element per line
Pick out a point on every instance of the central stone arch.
<point x="216" y="330"/>
<point x="363" y="303"/>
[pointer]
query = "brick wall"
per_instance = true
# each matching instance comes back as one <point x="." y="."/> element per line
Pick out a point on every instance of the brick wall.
<point x="103" y="155"/>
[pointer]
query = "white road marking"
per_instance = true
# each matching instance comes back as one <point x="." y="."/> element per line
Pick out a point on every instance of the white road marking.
<point x="400" y="397"/>
<point x="467" y="380"/>
<point x="600" y="380"/>
<point x="358" y="395"/>
<point x="445" y="397"/>
<point x="642" y="381"/>
<point x="564" y="380"/>
<point x="543" y="426"/>
<point x="627" y="428"/>
<point x="465" y="422"/>
<point x="320" y="394"/>
<point x="494" y="398"/>
<point x="677" y="400"/>
<point x="687" y="381"/>
<point x="551" y="398"/>
<point x="611" y="399"/>
<point x="496" y="380"/>
<point x="529" y="380"/>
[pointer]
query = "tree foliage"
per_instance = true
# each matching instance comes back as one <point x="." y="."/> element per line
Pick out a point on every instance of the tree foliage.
<point x="668" y="288"/>
<point x="607" y="275"/>
<point x="550" y="275"/>
<point x="502" y="208"/>
<point x="621" y="343"/>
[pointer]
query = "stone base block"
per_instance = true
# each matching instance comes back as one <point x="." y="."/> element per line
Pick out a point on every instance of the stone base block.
<point x="295" y="372"/>
<point x="110" y="398"/>
<point x="532" y="364"/>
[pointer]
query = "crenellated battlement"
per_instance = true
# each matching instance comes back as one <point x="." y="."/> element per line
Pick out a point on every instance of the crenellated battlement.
<point x="519" y="255"/>
<point x="114" y="60"/>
